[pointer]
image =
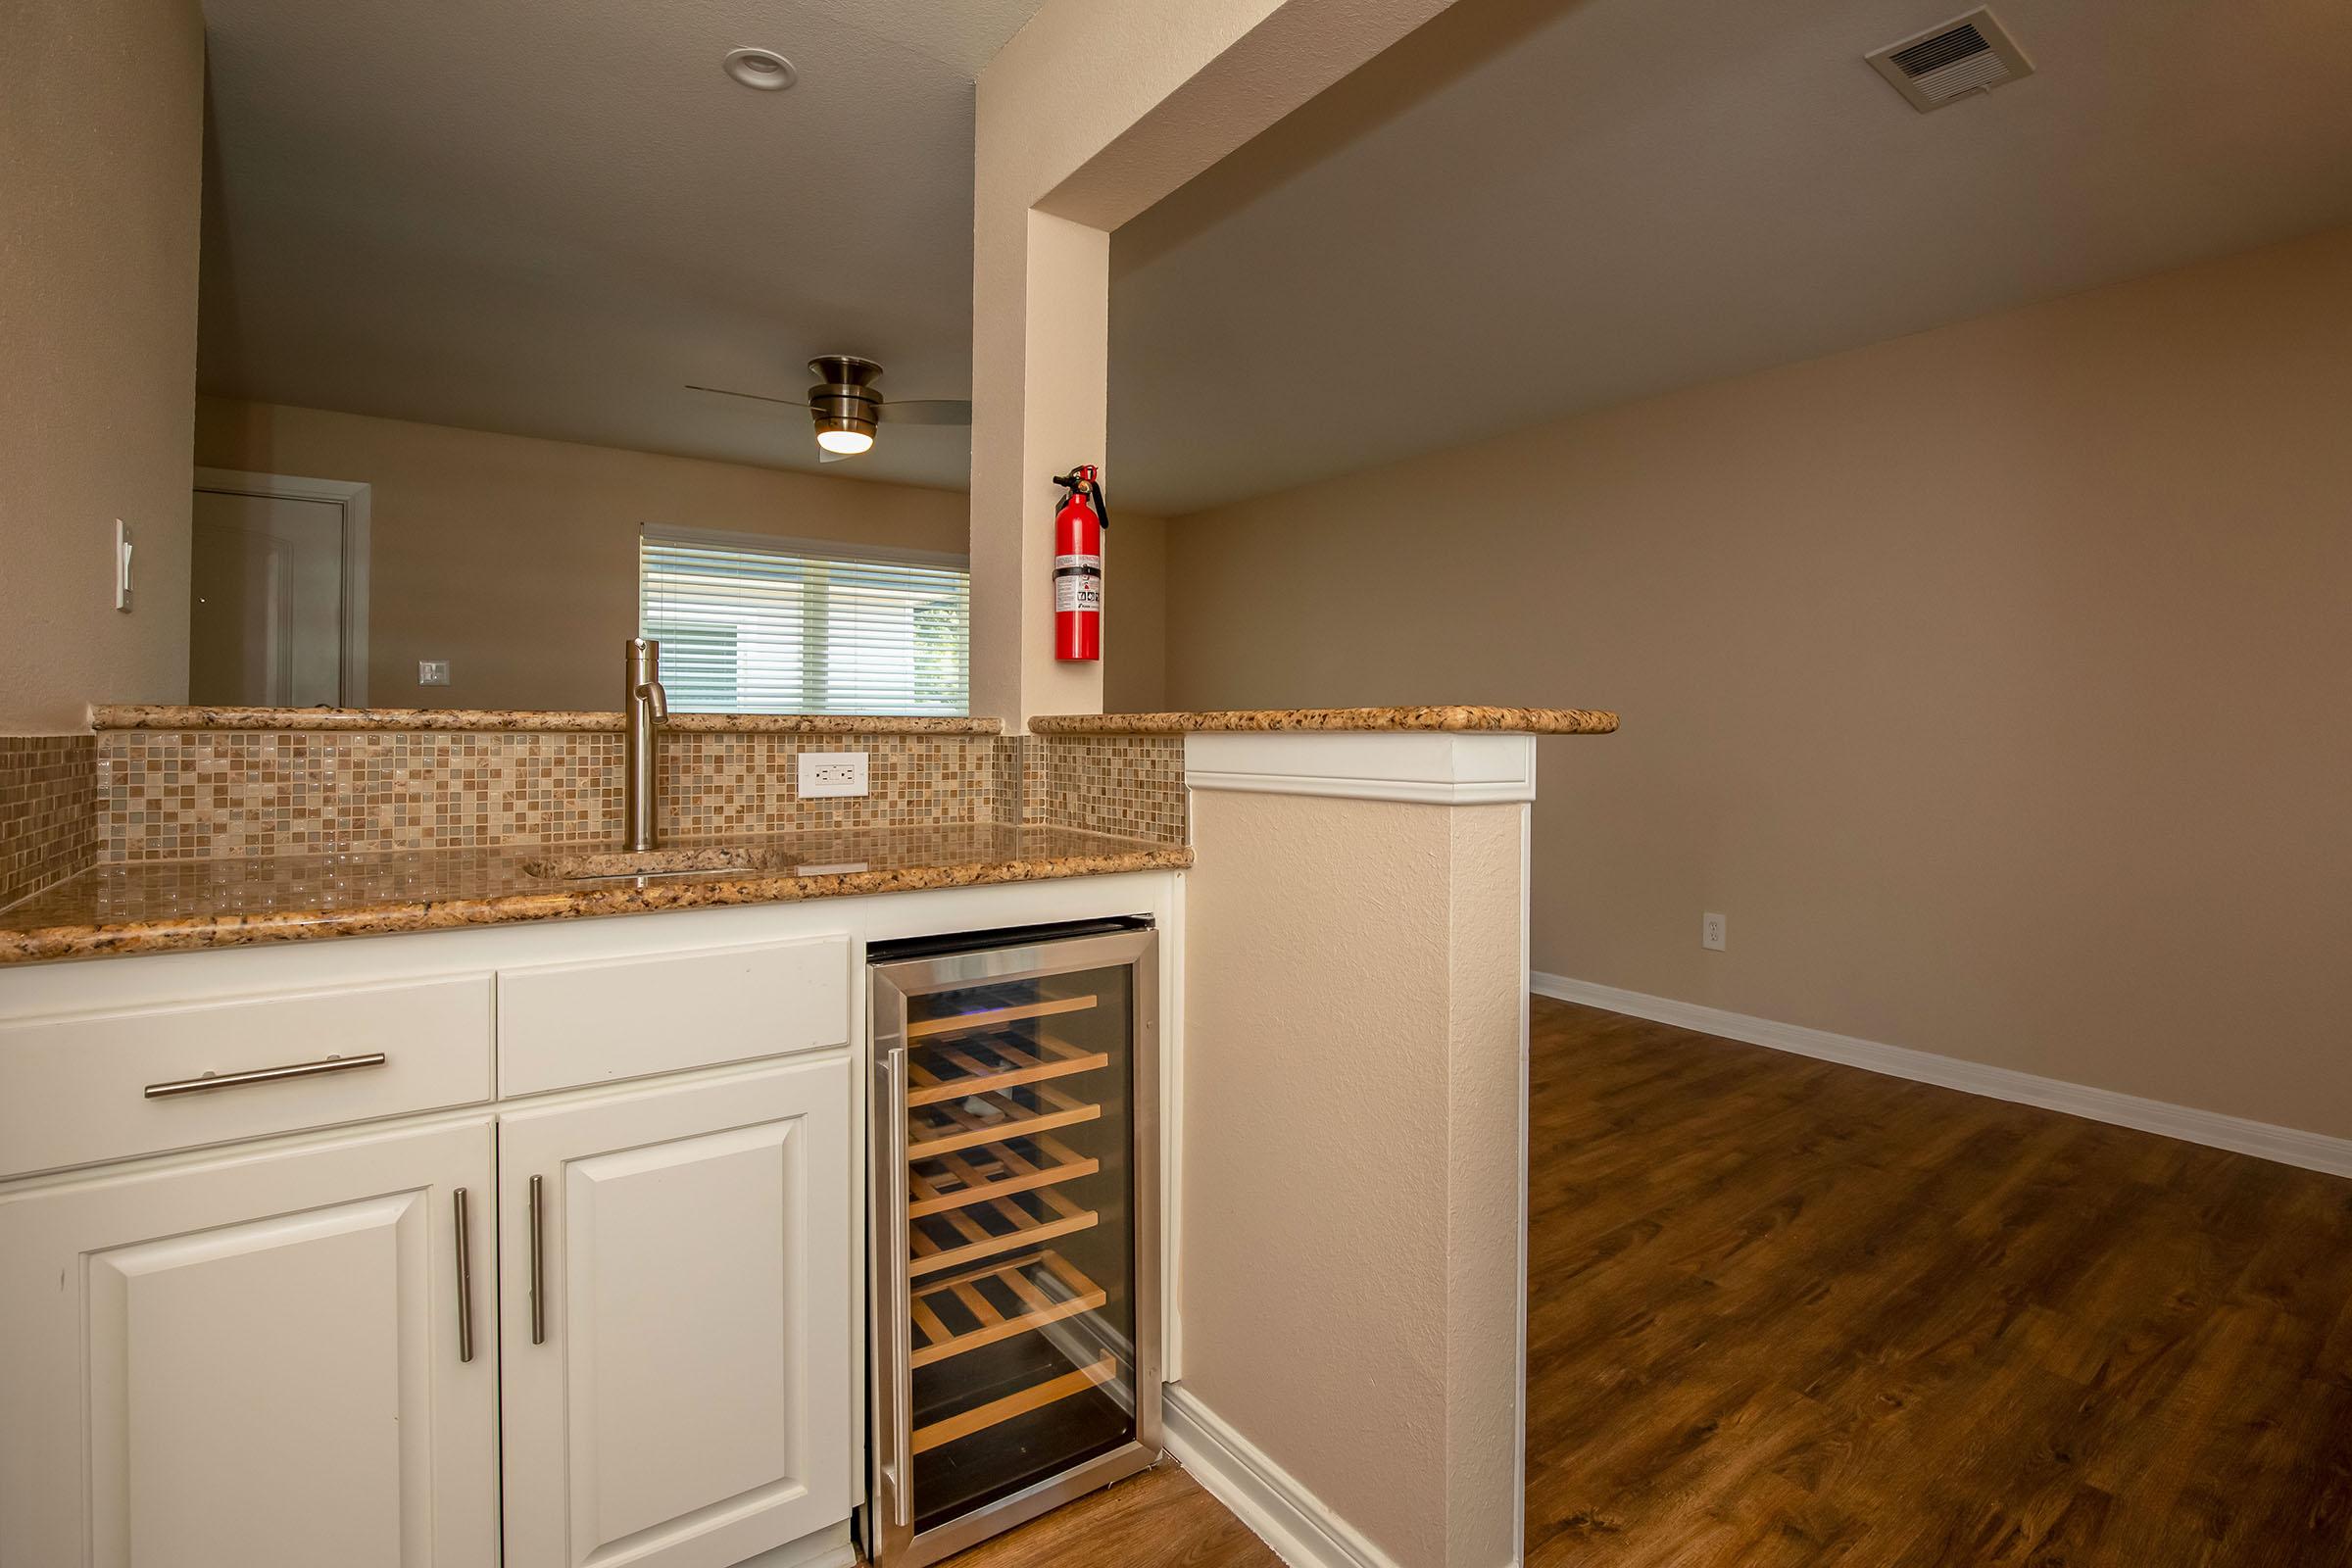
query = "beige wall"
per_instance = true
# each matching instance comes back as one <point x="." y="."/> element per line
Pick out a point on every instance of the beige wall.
<point x="516" y="559"/>
<point x="101" y="139"/>
<point x="1174" y="85"/>
<point x="1349" y="1259"/>
<point x="1135" y="620"/>
<point x="1993" y="681"/>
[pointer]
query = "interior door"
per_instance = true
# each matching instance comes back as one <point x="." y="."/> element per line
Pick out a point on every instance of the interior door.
<point x="677" y="1277"/>
<point x="252" y="1363"/>
<point x="266" y="602"/>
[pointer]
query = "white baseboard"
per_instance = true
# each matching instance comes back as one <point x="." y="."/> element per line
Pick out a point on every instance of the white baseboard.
<point x="2289" y="1146"/>
<point x="1284" y="1516"/>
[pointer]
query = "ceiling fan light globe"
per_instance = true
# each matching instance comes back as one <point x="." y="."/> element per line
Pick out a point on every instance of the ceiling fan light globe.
<point x="848" y="443"/>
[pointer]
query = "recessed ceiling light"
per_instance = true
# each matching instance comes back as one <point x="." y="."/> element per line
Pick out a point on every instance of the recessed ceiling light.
<point x="764" y="68"/>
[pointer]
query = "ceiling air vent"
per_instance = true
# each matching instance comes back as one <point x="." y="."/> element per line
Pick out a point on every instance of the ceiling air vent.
<point x="1966" y="55"/>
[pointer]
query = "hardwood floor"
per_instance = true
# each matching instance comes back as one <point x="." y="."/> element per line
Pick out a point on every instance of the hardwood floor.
<point x="1787" y="1312"/>
<point x="1159" y="1519"/>
<point x="1784" y="1314"/>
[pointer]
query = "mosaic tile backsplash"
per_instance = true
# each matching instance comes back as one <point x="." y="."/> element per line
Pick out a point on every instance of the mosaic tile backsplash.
<point x="48" y="807"/>
<point x="1128" y="785"/>
<point x="169" y="794"/>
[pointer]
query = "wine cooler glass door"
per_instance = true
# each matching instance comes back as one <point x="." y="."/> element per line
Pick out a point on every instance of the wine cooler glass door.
<point x="1016" y="1318"/>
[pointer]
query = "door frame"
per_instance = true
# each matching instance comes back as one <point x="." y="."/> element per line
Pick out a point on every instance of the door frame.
<point x="353" y="501"/>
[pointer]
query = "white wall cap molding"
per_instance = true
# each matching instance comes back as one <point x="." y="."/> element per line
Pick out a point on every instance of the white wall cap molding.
<point x="1439" y="768"/>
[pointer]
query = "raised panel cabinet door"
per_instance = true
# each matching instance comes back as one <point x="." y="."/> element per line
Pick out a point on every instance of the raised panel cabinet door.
<point x="253" y="1362"/>
<point x="677" y="1391"/>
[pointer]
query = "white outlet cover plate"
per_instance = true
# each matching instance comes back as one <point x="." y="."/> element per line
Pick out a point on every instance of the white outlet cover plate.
<point x="823" y="774"/>
<point x="1711" y="932"/>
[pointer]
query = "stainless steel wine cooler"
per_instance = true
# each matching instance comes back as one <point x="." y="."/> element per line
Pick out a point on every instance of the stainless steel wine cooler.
<point x="1015" y="1324"/>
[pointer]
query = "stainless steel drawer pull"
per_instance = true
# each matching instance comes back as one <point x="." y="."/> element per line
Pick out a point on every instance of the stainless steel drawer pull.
<point x="263" y="1075"/>
<point x="538" y="1271"/>
<point x="465" y="1281"/>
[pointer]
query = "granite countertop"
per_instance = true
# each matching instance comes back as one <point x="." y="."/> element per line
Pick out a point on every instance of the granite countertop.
<point x="1497" y="721"/>
<point x="176" y="906"/>
<point x="135" y="716"/>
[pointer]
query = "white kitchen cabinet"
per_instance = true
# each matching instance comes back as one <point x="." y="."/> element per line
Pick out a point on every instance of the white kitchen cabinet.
<point x="215" y="1352"/>
<point x="675" y="1273"/>
<point x="566" y="1025"/>
<point x="253" y="1361"/>
<point x="79" y="1088"/>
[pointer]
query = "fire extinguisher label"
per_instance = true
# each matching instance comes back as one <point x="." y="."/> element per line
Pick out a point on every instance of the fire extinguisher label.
<point x="1077" y="583"/>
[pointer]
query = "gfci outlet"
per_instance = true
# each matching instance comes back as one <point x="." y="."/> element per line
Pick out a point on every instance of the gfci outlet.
<point x="1710" y="932"/>
<point x="832" y="773"/>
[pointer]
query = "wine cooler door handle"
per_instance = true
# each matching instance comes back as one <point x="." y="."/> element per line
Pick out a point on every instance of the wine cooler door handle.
<point x="899" y="1418"/>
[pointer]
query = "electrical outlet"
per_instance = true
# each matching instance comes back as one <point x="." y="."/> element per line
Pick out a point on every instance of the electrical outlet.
<point x="832" y="773"/>
<point x="1710" y="932"/>
<point x="433" y="672"/>
<point x="121" y="566"/>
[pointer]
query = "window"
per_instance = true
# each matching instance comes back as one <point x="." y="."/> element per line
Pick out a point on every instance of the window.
<point x="750" y="624"/>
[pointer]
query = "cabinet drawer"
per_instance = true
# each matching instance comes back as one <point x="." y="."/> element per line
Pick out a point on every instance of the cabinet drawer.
<point x="75" y="1090"/>
<point x="564" y="1025"/>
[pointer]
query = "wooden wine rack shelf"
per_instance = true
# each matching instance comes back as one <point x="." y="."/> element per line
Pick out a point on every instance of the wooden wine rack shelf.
<point x="1034" y="1397"/>
<point x="992" y="1171"/>
<point x="984" y="1091"/>
<point x="977" y="1238"/>
<point x="1046" y="1287"/>
<point x="950" y="1125"/>
<point x="998" y="1017"/>
<point x="951" y="1070"/>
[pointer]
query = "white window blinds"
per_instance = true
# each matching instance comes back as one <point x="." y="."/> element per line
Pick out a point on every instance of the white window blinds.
<point x="750" y="624"/>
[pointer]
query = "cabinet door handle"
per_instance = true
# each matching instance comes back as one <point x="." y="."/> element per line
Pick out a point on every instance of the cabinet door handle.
<point x="538" y="1270"/>
<point x="263" y="1075"/>
<point x="464" y="1278"/>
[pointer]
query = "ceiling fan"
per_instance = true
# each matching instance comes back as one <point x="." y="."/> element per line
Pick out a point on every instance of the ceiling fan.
<point x="846" y="407"/>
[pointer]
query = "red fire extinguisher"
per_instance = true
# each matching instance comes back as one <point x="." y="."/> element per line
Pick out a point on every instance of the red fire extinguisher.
<point x="1078" y="565"/>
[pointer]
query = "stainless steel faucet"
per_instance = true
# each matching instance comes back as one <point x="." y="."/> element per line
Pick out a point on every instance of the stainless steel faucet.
<point x="647" y="705"/>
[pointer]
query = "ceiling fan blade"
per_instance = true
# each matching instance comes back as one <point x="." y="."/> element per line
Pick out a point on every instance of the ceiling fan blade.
<point x="927" y="410"/>
<point x="756" y="397"/>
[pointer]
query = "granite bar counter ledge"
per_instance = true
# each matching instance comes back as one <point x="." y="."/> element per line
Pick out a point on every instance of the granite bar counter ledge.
<point x="1454" y="719"/>
<point x="510" y="720"/>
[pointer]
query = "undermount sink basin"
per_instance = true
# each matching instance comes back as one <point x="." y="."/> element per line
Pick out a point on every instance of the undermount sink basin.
<point x="602" y="864"/>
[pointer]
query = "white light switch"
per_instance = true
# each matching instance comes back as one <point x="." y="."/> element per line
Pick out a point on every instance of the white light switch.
<point x="433" y="672"/>
<point x="825" y="774"/>
<point x="122" y="565"/>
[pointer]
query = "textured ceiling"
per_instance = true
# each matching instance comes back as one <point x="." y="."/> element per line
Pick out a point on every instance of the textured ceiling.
<point x="1533" y="207"/>
<point x="546" y="217"/>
